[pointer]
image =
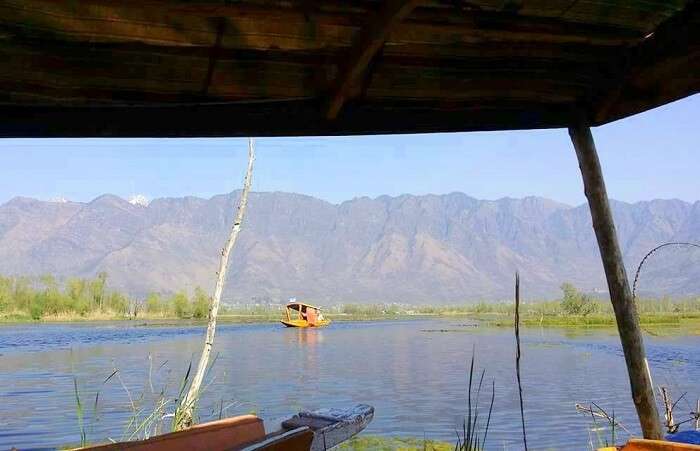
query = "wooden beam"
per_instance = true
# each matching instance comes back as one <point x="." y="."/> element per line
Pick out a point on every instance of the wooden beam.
<point x="370" y="40"/>
<point x="273" y="26"/>
<point x="72" y="74"/>
<point x="618" y="285"/>
<point x="274" y="118"/>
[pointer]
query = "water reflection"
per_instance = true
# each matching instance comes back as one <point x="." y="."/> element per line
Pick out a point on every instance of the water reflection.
<point x="305" y="336"/>
<point x="415" y="379"/>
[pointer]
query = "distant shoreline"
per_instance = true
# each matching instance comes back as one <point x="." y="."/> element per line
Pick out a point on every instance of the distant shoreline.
<point x="660" y="324"/>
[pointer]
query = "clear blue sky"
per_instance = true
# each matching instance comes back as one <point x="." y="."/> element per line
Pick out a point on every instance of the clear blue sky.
<point x="652" y="155"/>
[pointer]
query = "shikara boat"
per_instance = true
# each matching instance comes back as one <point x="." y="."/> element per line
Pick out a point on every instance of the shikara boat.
<point x="298" y="314"/>
<point x="315" y="431"/>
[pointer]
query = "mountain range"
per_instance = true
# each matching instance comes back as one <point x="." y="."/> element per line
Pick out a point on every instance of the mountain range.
<point x="427" y="249"/>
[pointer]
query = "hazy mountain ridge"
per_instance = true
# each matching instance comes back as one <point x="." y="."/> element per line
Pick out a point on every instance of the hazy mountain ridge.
<point x="421" y="249"/>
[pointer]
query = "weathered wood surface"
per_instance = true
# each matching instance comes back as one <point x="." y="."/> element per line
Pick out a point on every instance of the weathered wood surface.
<point x="369" y="41"/>
<point x="221" y="435"/>
<point x="333" y="426"/>
<point x="266" y="25"/>
<point x="361" y="61"/>
<point x="663" y="68"/>
<point x="299" y="439"/>
<point x="616" y="275"/>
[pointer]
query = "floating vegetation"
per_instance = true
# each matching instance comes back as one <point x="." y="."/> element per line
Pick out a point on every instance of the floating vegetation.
<point x="378" y="443"/>
<point x="445" y="330"/>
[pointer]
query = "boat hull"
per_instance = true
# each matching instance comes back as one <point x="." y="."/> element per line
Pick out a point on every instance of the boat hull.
<point x="653" y="445"/>
<point x="306" y="431"/>
<point x="303" y="323"/>
<point x="332" y="426"/>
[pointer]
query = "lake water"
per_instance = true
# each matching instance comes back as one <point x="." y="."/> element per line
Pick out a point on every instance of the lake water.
<point x="413" y="372"/>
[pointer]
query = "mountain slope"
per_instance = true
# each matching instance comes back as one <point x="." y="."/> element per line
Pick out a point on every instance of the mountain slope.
<point x="415" y="249"/>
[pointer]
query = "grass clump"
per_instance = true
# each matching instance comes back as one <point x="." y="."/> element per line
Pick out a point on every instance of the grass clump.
<point x="151" y="412"/>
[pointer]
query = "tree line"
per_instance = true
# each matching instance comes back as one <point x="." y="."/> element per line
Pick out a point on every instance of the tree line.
<point x="73" y="298"/>
<point x="46" y="296"/>
<point x="571" y="303"/>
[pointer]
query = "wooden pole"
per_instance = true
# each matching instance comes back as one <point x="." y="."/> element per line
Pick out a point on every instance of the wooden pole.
<point x="185" y="411"/>
<point x="517" y="355"/>
<point x="618" y="285"/>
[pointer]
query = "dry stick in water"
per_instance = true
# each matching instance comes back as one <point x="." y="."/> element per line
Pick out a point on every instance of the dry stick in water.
<point x="184" y="417"/>
<point x="600" y="413"/>
<point x="517" y="353"/>
<point x="671" y="425"/>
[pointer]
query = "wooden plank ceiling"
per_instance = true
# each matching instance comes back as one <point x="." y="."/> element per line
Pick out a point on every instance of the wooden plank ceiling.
<point x="298" y="67"/>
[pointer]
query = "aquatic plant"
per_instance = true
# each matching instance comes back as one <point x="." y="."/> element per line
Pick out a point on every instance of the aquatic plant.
<point x="471" y="438"/>
<point x="79" y="413"/>
<point x="149" y="409"/>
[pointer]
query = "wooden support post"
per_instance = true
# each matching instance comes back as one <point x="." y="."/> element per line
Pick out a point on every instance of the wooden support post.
<point x="618" y="285"/>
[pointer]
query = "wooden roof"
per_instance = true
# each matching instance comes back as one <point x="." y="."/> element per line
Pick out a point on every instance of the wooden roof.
<point x="299" y="67"/>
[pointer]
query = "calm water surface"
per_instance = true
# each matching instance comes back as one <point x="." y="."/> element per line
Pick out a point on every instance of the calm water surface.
<point x="414" y="374"/>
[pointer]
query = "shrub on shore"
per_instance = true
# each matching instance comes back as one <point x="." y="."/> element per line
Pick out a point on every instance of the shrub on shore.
<point x="45" y="297"/>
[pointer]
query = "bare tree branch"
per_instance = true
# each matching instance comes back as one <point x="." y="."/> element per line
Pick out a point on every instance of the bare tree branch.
<point x="184" y="415"/>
